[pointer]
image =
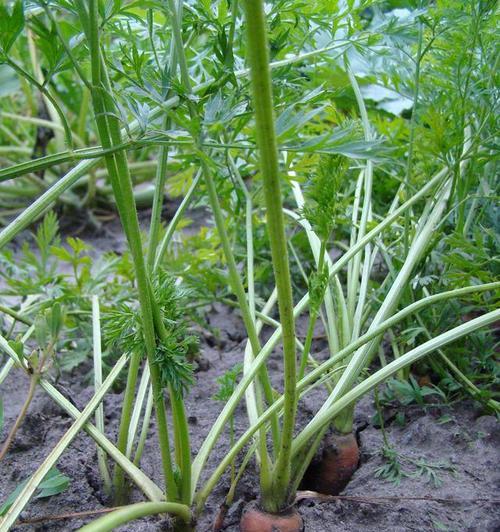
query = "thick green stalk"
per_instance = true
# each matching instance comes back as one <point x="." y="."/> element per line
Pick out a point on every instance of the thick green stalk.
<point x="109" y="132"/>
<point x="258" y="55"/>
<point x="117" y="167"/>
<point x="234" y="277"/>
<point x="146" y="305"/>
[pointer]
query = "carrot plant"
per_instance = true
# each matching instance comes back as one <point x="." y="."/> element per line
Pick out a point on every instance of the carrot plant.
<point x="271" y="163"/>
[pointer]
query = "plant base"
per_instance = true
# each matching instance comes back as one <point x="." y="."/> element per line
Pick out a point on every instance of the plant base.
<point x="256" y="520"/>
<point x="339" y="460"/>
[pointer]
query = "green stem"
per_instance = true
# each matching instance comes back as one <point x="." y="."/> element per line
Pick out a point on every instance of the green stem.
<point x="161" y="173"/>
<point x="43" y="89"/>
<point x="466" y="382"/>
<point x="331" y="323"/>
<point x="231" y="443"/>
<point x="304" y="458"/>
<point x="313" y="316"/>
<point x="321" y="419"/>
<point x="258" y="54"/>
<point x="248" y="231"/>
<point x="83" y="114"/>
<point x="244" y="463"/>
<point x="38" y="122"/>
<point x="378" y="407"/>
<point x="472" y="388"/>
<point x="354" y="280"/>
<point x="99" y="414"/>
<point x="127" y="514"/>
<point x="145" y="427"/>
<point x="50" y="461"/>
<point x="360" y="360"/>
<point x="15" y="315"/>
<point x="120" y="492"/>
<point x="161" y="176"/>
<point x="411" y="140"/>
<point x="162" y="248"/>
<point x="229" y="59"/>
<point x="144" y="386"/>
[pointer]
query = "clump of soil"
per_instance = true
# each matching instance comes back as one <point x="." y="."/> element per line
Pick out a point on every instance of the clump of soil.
<point x="467" y="442"/>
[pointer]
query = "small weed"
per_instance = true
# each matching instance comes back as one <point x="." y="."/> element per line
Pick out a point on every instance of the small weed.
<point x="409" y="392"/>
<point x="53" y="483"/>
<point x="398" y="466"/>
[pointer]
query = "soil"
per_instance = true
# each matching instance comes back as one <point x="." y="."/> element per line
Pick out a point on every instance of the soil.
<point x="458" y="435"/>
